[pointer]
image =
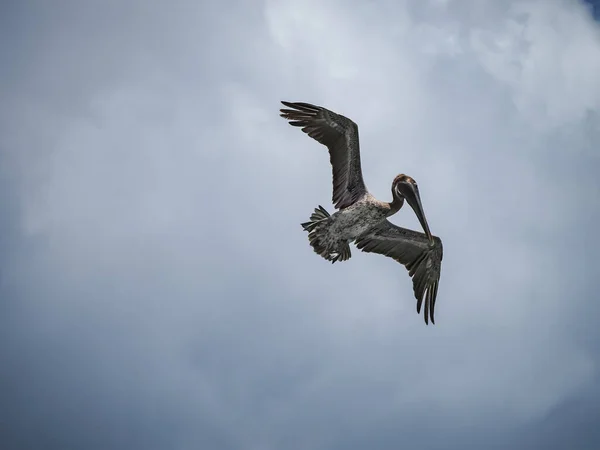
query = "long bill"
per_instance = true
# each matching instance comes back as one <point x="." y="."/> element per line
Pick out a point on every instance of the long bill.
<point x="414" y="200"/>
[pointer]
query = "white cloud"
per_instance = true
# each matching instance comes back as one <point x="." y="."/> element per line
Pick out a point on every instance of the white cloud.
<point x="167" y="210"/>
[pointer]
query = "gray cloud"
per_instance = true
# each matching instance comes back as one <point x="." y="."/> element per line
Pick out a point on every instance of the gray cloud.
<point x="157" y="290"/>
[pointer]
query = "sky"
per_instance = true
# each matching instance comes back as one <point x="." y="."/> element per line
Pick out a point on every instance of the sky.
<point x="158" y="292"/>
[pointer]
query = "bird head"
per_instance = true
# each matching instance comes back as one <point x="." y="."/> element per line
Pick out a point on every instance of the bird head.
<point x="405" y="187"/>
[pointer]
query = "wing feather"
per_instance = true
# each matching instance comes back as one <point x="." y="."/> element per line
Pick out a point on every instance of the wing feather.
<point x="413" y="250"/>
<point x="340" y="135"/>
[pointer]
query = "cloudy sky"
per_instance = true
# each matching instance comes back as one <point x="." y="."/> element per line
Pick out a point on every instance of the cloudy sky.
<point x="158" y="292"/>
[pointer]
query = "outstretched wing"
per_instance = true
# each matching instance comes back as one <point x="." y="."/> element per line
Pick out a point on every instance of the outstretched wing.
<point x="412" y="249"/>
<point x="340" y="135"/>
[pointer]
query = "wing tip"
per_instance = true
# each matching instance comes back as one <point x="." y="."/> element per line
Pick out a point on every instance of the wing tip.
<point x="429" y="299"/>
<point x="302" y="106"/>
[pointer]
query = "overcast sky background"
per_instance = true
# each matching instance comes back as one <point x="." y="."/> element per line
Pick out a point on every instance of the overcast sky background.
<point x="158" y="292"/>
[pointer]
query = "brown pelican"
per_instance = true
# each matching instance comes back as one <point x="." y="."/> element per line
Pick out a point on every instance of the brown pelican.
<point x="362" y="218"/>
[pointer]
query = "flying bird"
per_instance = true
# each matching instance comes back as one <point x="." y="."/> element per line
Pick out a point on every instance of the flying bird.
<point x="361" y="218"/>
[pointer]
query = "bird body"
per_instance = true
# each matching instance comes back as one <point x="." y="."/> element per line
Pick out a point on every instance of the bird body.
<point x="330" y="235"/>
<point x="361" y="218"/>
<point x="350" y="222"/>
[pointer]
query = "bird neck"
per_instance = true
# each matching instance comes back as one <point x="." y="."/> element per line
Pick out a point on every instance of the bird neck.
<point x="396" y="204"/>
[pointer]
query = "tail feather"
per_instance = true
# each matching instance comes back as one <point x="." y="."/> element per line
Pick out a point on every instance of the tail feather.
<point x="316" y="217"/>
<point x="316" y="235"/>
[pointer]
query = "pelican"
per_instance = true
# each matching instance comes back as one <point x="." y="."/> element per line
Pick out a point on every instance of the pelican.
<point x="361" y="218"/>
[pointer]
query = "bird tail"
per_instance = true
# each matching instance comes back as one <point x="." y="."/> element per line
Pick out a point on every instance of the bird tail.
<point x="317" y="232"/>
<point x="319" y="216"/>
